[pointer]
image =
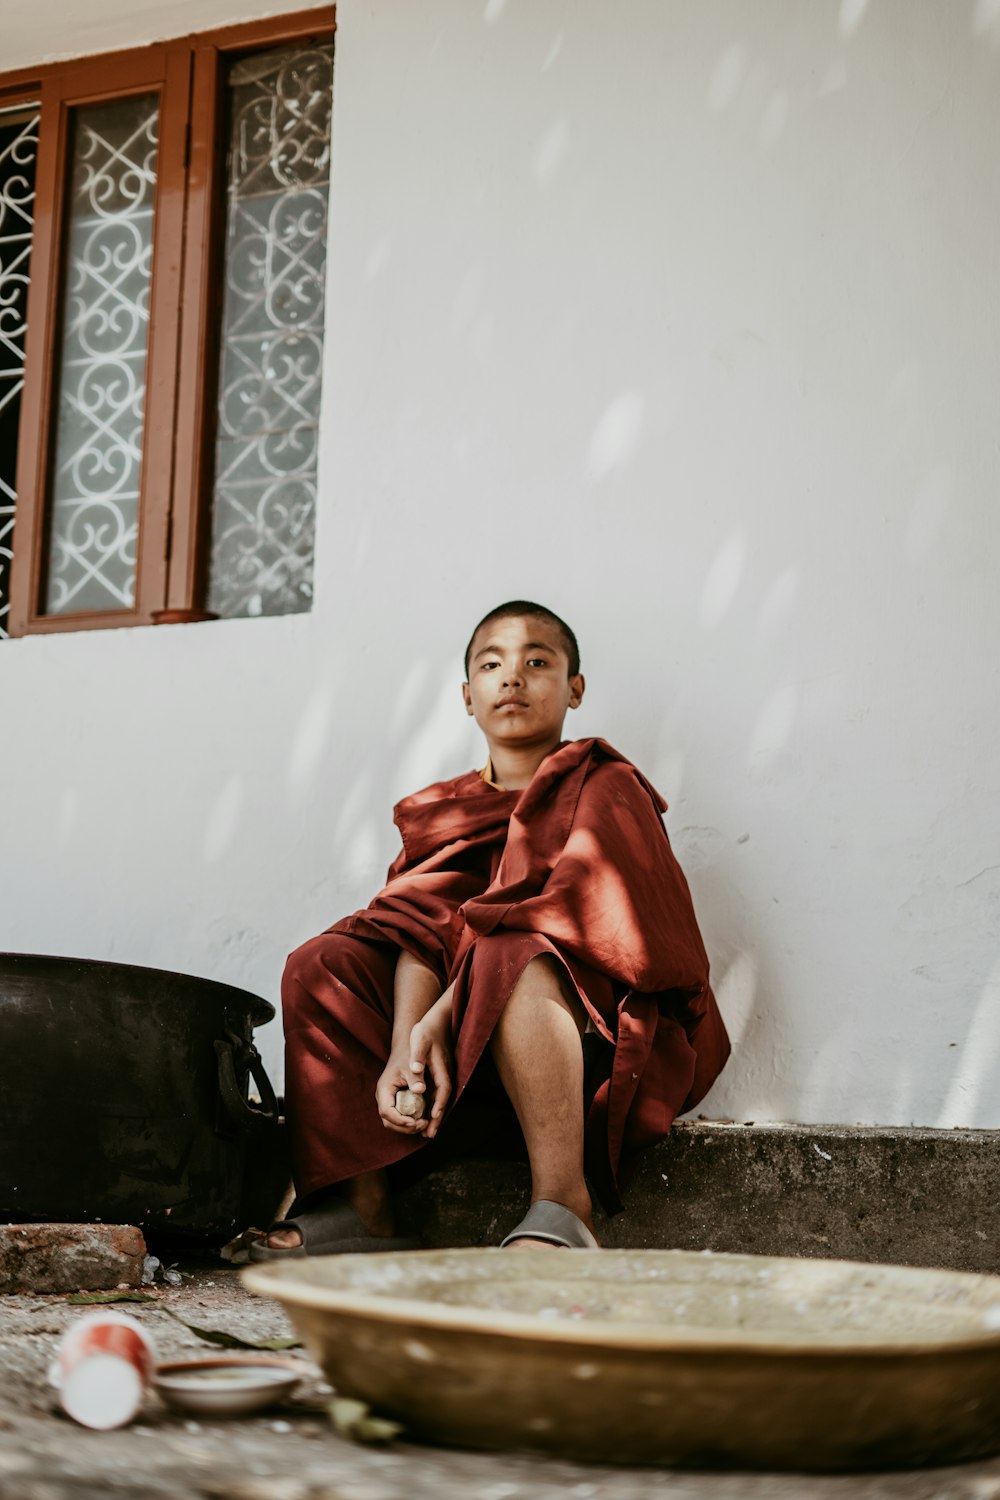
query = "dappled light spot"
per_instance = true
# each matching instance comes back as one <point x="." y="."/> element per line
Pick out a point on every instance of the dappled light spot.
<point x="727" y="77"/>
<point x="668" y="775"/>
<point x="364" y="848"/>
<point x="986" y="20"/>
<point x="736" y="992"/>
<point x="551" y="152"/>
<point x="378" y="258"/>
<point x="443" y="738"/>
<point x="555" y="47"/>
<point x="902" y="391"/>
<point x="852" y="13"/>
<point x="469" y="295"/>
<point x="723" y="580"/>
<point x="410" y="700"/>
<point x="773" y="725"/>
<point x="310" y="738"/>
<point x="69" y="811"/>
<point x="353" y="807"/>
<point x="224" y="819"/>
<point x="362" y="546"/>
<point x="971" y="1100"/>
<point x="928" y="514"/>
<point x="493" y="10"/>
<point x="616" y="436"/>
<point x="481" y="337"/>
<point x="776" y="611"/>
<point x="835" y="77"/>
<point x="774" y="119"/>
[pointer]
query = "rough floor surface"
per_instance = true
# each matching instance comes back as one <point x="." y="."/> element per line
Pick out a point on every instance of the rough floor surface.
<point x="291" y="1452"/>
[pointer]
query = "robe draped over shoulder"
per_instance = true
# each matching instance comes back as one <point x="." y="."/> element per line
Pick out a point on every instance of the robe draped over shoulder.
<point x="579" y="866"/>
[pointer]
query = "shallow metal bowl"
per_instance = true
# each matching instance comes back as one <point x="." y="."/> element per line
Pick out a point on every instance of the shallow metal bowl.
<point x="660" y="1357"/>
<point x="225" y="1385"/>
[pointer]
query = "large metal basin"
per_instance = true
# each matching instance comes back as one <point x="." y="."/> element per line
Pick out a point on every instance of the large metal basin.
<point x="123" y="1096"/>
<point x="660" y="1357"/>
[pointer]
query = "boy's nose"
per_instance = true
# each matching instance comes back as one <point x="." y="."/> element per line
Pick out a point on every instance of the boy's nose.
<point x="512" y="677"/>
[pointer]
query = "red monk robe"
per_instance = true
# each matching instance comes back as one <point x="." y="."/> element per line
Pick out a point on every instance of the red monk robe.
<point x="577" y="865"/>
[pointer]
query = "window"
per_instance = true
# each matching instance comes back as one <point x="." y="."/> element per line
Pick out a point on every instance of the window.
<point x="163" y="230"/>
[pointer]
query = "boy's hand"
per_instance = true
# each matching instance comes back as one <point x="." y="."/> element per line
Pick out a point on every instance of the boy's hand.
<point x="427" y="1052"/>
<point x="397" y="1076"/>
<point x="430" y="1053"/>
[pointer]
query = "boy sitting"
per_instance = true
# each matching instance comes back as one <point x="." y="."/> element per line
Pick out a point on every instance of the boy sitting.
<point x="535" y="920"/>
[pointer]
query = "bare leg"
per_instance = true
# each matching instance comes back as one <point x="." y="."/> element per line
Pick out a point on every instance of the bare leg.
<point x="537" y="1048"/>
<point x="368" y="1195"/>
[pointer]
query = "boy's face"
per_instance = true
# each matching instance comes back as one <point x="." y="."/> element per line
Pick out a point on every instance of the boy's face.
<point x="519" y="686"/>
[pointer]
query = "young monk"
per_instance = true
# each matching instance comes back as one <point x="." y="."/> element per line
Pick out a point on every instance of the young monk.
<point x="535" y="919"/>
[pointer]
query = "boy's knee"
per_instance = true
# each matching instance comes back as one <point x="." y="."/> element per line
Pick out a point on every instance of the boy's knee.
<point x="543" y="972"/>
<point x="333" y="974"/>
<point x="308" y="969"/>
<point x="299" y="971"/>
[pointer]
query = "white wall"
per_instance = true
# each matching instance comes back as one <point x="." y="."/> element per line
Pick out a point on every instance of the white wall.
<point x="682" y="318"/>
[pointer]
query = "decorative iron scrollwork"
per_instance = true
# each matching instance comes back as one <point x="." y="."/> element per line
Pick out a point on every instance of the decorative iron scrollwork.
<point x="264" y="497"/>
<point x="102" y="367"/>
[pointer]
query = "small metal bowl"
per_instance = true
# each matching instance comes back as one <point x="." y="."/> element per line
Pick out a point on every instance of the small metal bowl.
<point x="224" y="1386"/>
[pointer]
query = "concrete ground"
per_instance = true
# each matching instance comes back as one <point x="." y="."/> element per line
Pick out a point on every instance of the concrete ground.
<point x="291" y="1452"/>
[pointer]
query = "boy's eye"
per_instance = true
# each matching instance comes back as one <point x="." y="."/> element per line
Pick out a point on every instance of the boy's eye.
<point x="488" y="666"/>
<point x="537" y="661"/>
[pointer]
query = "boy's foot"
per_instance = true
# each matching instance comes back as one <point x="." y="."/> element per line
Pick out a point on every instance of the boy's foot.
<point x="357" y="1217"/>
<point x="283" y="1239"/>
<point x="334" y="1228"/>
<point x="291" y="1237"/>
<point x="376" y="1217"/>
<point x="548" y="1225"/>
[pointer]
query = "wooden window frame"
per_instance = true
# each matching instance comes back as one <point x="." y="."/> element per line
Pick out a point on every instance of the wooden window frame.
<point x="182" y="354"/>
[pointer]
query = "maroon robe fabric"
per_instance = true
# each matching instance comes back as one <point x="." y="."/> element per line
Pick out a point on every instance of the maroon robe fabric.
<point x="578" y="865"/>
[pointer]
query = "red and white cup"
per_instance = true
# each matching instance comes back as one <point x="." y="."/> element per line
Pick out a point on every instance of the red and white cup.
<point x="102" y="1369"/>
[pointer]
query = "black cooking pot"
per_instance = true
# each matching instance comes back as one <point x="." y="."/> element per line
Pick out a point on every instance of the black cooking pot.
<point x="123" y="1099"/>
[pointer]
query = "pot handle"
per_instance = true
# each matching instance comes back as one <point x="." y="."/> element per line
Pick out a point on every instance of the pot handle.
<point x="234" y="1053"/>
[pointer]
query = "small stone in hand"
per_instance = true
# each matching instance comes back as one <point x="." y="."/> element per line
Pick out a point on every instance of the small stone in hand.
<point x="410" y="1104"/>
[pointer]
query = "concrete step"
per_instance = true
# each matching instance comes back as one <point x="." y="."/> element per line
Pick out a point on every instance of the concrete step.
<point x="902" y="1196"/>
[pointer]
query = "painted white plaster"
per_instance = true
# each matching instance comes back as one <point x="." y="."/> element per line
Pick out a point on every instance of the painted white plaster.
<point x="682" y="318"/>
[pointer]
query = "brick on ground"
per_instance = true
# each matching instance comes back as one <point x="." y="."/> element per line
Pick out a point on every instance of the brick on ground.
<point x="44" y="1258"/>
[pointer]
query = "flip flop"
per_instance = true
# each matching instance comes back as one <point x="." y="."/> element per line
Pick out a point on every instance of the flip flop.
<point x="555" y="1225"/>
<point x="331" y="1229"/>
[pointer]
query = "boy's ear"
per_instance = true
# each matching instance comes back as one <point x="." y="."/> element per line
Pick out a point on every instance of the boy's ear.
<point x="467" y="698"/>
<point x="576" y="689"/>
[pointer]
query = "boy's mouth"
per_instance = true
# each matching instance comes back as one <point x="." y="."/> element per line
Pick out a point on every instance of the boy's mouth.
<point x="511" y="702"/>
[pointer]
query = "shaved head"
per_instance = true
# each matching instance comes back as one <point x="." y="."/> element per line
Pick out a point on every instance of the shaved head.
<point x="521" y="608"/>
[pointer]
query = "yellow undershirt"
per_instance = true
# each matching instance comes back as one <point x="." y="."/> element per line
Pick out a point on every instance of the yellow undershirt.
<point x="487" y="775"/>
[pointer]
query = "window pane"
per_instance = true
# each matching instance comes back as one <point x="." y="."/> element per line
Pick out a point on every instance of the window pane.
<point x="270" y="359"/>
<point x="102" y="361"/>
<point x="18" y="152"/>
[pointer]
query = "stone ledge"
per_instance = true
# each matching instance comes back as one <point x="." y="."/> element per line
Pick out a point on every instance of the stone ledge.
<point x="47" y="1258"/>
<point x="903" y="1196"/>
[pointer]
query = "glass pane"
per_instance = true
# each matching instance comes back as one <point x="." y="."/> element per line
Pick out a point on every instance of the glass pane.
<point x="101" y="378"/>
<point x="270" y="361"/>
<point x="18" y="152"/>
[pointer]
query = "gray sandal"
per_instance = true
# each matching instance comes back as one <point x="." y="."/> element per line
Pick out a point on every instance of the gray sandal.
<point x="334" y="1228"/>
<point x="555" y="1225"/>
